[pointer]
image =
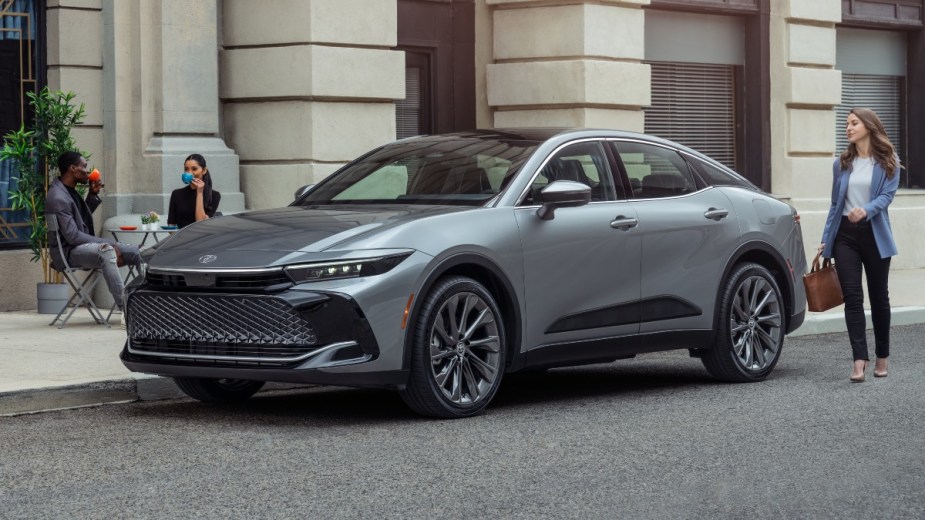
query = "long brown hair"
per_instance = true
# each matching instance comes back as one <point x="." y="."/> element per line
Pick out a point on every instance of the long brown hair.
<point x="880" y="146"/>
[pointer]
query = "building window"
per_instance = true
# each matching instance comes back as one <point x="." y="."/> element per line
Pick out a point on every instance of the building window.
<point x="413" y="114"/>
<point x="874" y="76"/>
<point x="709" y="96"/>
<point x="885" y="95"/>
<point x="694" y="104"/>
<point x="438" y="38"/>
<point x="19" y="54"/>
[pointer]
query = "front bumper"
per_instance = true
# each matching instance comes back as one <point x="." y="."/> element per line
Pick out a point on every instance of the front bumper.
<point x="288" y="336"/>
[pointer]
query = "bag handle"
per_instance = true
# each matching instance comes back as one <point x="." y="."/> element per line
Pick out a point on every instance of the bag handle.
<point x="825" y="262"/>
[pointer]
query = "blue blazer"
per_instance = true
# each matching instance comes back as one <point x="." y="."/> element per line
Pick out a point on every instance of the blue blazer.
<point x="881" y="195"/>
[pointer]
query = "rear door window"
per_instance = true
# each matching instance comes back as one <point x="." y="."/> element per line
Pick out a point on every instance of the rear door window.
<point x="654" y="171"/>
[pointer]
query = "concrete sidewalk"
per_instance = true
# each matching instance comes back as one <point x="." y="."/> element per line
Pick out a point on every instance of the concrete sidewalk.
<point x="46" y="368"/>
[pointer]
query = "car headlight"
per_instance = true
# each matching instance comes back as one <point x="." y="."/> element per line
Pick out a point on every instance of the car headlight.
<point x="343" y="269"/>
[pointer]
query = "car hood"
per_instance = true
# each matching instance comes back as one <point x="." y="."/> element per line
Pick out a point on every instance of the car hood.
<point x="284" y="235"/>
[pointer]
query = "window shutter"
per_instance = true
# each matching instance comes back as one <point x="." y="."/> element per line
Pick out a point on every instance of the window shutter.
<point x="408" y="110"/>
<point x="885" y="95"/>
<point x="694" y="104"/>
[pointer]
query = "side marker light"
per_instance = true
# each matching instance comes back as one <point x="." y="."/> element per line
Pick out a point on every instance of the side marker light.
<point x="404" y="318"/>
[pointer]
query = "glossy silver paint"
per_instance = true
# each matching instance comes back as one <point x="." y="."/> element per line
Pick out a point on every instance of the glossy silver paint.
<point x="587" y="259"/>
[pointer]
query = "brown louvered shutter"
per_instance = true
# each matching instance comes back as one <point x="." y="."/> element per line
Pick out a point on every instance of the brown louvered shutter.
<point x="408" y="110"/>
<point x="885" y="95"/>
<point x="694" y="104"/>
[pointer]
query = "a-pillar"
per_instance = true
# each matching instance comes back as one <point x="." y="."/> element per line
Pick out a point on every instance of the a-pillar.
<point x="805" y="89"/>
<point x="160" y="103"/>
<point x="578" y="64"/>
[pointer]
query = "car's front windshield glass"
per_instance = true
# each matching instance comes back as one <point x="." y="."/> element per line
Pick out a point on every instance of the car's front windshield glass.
<point x="451" y="170"/>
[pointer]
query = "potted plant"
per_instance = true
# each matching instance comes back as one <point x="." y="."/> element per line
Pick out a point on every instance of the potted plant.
<point x="149" y="221"/>
<point x="34" y="151"/>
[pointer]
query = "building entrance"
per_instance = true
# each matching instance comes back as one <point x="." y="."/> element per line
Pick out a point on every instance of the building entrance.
<point x="438" y="38"/>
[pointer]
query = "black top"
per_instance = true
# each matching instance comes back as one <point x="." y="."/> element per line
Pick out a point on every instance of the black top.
<point x="85" y="213"/>
<point x="182" y="210"/>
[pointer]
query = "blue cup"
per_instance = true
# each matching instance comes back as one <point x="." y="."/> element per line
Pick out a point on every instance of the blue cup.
<point x="187" y="177"/>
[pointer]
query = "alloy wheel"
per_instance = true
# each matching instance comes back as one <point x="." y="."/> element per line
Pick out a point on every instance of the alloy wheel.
<point x="755" y="323"/>
<point x="465" y="349"/>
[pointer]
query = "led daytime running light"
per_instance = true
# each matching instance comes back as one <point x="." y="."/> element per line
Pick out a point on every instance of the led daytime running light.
<point x="345" y="269"/>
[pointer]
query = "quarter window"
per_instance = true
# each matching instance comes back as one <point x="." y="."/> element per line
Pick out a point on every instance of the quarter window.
<point x="654" y="172"/>
<point x="717" y="177"/>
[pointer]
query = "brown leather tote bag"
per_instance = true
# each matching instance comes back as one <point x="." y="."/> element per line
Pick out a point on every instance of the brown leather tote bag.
<point x="823" y="291"/>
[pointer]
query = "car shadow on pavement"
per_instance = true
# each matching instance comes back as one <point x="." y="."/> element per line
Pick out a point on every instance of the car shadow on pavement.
<point x="616" y="379"/>
<point x="335" y="406"/>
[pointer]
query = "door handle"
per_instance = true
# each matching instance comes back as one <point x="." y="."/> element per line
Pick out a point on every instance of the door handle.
<point x="716" y="214"/>
<point x="624" y="223"/>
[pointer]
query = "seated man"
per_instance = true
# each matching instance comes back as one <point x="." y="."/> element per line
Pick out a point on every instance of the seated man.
<point x="75" y="225"/>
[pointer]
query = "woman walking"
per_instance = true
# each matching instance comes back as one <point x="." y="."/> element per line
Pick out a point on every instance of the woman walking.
<point x="857" y="233"/>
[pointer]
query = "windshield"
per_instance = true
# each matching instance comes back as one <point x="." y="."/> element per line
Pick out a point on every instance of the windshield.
<point x="452" y="170"/>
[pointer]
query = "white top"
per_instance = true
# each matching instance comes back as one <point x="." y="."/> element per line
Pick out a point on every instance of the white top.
<point x="862" y="174"/>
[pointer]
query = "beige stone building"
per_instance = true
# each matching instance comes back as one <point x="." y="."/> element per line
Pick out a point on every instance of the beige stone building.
<point x="280" y="93"/>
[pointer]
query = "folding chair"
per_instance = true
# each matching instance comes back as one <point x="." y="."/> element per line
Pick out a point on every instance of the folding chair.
<point x="83" y="290"/>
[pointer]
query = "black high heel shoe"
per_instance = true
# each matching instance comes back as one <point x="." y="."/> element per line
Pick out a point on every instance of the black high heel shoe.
<point x="858" y="378"/>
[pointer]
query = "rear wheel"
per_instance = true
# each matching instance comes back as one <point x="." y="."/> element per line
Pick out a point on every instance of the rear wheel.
<point x="751" y="326"/>
<point x="218" y="390"/>
<point x="458" y="351"/>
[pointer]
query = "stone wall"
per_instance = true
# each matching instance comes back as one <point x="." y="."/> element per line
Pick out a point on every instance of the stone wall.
<point x="578" y="64"/>
<point x="306" y="87"/>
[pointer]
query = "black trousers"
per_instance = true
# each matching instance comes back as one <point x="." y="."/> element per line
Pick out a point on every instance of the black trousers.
<point x="855" y="248"/>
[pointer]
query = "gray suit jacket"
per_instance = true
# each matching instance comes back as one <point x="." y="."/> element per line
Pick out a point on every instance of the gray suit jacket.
<point x="60" y="205"/>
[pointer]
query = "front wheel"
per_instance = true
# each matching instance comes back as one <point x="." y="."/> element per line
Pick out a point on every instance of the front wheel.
<point x="458" y="350"/>
<point x="218" y="390"/>
<point x="750" y="335"/>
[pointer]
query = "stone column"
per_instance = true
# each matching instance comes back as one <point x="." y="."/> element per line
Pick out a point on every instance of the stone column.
<point x="578" y="64"/>
<point x="805" y="88"/>
<point x="307" y="86"/>
<point x="160" y="102"/>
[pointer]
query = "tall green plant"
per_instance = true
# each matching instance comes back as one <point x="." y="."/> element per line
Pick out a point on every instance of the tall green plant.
<point x="34" y="151"/>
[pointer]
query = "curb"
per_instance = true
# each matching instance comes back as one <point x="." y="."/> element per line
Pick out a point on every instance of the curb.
<point x="93" y="393"/>
<point x="140" y="387"/>
<point x="143" y="387"/>
<point x="830" y="322"/>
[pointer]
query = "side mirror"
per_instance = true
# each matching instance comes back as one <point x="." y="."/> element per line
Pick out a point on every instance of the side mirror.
<point x="303" y="190"/>
<point x="562" y="194"/>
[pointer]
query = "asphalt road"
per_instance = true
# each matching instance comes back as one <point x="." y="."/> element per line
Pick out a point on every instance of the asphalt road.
<point x="652" y="437"/>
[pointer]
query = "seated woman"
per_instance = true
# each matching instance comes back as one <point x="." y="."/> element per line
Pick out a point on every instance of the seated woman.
<point x="196" y="202"/>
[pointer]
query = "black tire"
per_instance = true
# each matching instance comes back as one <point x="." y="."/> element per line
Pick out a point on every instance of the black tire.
<point x="454" y="372"/>
<point x="751" y="324"/>
<point x="218" y="391"/>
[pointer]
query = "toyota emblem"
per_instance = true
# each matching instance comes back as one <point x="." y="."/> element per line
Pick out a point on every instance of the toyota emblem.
<point x="205" y="259"/>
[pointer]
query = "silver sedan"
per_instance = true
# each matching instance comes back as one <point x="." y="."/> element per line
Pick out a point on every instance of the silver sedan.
<point x="435" y="265"/>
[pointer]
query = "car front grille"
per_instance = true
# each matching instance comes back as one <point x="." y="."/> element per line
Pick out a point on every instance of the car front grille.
<point x="235" y="321"/>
